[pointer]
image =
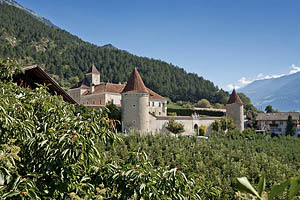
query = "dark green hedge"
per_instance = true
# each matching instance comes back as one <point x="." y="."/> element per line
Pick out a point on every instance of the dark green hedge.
<point x="189" y="112"/>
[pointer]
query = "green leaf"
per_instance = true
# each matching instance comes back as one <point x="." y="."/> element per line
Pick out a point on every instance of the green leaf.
<point x="278" y="189"/>
<point x="261" y="185"/>
<point x="1" y="179"/>
<point x="243" y="185"/>
<point x="294" y="188"/>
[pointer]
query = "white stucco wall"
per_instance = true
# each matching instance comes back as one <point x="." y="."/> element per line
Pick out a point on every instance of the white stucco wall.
<point x="135" y="112"/>
<point x="236" y="112"/>
<point x="93" y="99"/>
<point x="115" y="97"/>
<point x="158" y="107"/>
<point x="157" y="124"/>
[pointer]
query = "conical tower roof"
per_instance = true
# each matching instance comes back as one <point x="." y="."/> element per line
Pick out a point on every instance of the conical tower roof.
<point x="234" y="98"/>
<point x="94" y="70"/>
<point x="135" y="83"/>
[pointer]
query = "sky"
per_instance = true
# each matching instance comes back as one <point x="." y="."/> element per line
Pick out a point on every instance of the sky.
<point x="229" y="42"/>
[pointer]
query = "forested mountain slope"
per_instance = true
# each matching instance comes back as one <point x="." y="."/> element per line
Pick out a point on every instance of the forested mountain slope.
<point x="68" y="58"/>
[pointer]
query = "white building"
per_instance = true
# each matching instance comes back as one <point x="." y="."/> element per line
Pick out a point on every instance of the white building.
<point x="142" y="109"/>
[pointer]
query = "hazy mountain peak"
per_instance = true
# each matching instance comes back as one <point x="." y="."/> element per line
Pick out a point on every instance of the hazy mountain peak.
<point x="282" y="93"/>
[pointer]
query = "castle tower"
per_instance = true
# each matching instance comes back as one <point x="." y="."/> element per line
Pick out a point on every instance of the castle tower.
<point x="93" y="76"/>
<point x="235" y="110"/>
<point x="135" y="110"/>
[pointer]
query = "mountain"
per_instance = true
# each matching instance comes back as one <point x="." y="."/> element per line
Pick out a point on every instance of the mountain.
<point x="32" y="13"/>
<point x="67" y="58"/>
<point x="281" y="93"/>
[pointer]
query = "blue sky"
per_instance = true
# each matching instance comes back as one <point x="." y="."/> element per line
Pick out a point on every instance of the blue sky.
<point x="229" y="42"/>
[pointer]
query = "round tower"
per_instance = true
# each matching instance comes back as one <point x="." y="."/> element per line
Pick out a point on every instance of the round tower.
<point x="135" y="99"/>
<point x="235" y="110"/>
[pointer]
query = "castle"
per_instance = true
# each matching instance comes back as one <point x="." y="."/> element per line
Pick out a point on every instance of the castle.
<point x="142" y="109"/>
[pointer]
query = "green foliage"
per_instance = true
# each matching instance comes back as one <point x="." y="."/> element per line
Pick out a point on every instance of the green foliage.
<point x="290" y="127"/>
<point x="223" y="124"/>
<point x="292" y="185"/>
<point x="213" y="164"/>
<point x="8" y="68"/>
<point x="189" y="112"/>
<point x="114" y="113"/>
<point x="175" y="127"/>
<point x="203" y="103"/>
<point x="50" y="149"/>
<point x="202" y="130"/>
<point x="269" y="109"/>
<point x="66" y="56"/>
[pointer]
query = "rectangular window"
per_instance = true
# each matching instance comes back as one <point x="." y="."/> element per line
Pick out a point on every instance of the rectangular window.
<point x="153" y="104"/>
<point x="100" y="101"/>
<point x="159" y="104"/>
<point x="159" y="113"/>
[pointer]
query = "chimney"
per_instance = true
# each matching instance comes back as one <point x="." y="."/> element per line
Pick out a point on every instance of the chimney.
<point x="92" y="88"/>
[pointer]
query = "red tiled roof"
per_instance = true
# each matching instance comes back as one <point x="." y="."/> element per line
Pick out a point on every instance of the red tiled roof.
<point x="106" y="87"/>
<point x="154" y="95"/>
<point x="109" y="87"/>
<point x="135" y="83"/>
<point x="94" y="70"/>
<point x="99" y="105"/>
<point x="234" y="98"/>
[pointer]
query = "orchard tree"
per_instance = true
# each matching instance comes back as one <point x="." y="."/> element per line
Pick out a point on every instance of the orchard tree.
<point x="175" y="127"/>
<point x="223" y="124"/>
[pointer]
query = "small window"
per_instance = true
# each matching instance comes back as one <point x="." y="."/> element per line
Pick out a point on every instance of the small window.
<point x="100" y="101"/>
<point x="133" y="105"/>
<point x="112" y="101"/>
<point x="163" y="104"/>
<point x="153" y="104"/>
<point x="159" y="104"/>
<point x="149" y="103"/>
<point x="159" y="113"/>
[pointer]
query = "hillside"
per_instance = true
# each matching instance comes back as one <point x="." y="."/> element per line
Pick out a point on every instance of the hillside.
<point x="282" y="93"/>
<point x="67" y="58"/>
<point x="30" y="12"/>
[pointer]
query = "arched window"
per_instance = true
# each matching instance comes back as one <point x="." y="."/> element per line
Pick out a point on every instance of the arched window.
<point x="196" y="129"/>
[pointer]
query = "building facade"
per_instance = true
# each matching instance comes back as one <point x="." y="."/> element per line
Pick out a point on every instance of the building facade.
<point x="276" y="122"/>
<point x="143" y="109"/>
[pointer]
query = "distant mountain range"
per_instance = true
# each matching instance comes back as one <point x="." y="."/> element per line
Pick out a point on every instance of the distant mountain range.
<point x="32" y="13"/>
<point x="281" y="93"/>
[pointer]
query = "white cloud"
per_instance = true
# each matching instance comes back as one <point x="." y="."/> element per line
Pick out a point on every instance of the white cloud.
<point x="244" y="81"/>
<point x="231" y="87"/>
<point x="295" y="69"/>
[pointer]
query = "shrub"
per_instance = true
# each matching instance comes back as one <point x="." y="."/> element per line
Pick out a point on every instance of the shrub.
<point x="202" y="130"/>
